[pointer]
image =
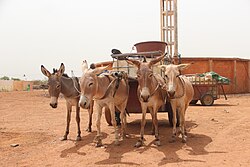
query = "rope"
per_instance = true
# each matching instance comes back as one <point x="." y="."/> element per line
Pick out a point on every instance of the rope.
<point x="183" y="88"/>
<point x="73" y="79"/>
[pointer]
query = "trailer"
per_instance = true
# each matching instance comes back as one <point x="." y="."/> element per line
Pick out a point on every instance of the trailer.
<point x="206" y="89"/>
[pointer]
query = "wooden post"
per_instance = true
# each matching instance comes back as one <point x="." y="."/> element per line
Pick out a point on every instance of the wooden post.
<point x="210" y="65"/>
<point x="162" y="20"/>
<point x="175" y="33"/>
<point x="248" y="75"/>
<point x="235" y="77"/>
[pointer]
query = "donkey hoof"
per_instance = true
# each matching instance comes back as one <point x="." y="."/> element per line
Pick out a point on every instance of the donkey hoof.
<point x="98" y="144"/>
<point x="138" y="144"/>
<point x="117" y="143"/>
<point x="127" y="136"/>
<point x="172" y="140"/>
<point x="157" y="142"/>
<point x="184" y="139"/>
<point x="63" y="138"/>
<point x="78" y="138"/>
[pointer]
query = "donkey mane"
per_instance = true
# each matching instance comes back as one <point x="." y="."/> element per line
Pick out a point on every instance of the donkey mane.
<point x="64" y="74"/>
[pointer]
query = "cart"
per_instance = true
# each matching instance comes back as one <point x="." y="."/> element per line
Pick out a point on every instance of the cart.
<point x="149" y="50"/>
<point x="206" y="89"/>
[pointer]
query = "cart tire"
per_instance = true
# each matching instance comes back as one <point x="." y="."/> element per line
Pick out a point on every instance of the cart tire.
<point x="193" y="101"/>
<point x="207" y="100"/>
<point x="170" y="115"/>
<point x="108" y="116"/>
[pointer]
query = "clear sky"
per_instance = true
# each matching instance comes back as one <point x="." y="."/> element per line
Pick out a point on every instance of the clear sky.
<point x="48" y="32"/>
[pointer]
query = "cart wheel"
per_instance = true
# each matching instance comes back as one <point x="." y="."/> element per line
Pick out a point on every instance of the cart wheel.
<point x="193" y="101"/>
<point x="207" y="100"/>
<point x="108" y="116"/>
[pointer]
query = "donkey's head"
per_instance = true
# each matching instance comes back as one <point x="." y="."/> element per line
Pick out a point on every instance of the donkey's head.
<point x="144" y="77"/>
<point x="172" y="72"/>
<point x="54" y="83"/>
<point x="88" y="84"/>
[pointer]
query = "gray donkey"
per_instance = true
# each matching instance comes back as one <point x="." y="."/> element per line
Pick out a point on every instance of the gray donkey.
<point x="59" y="82"/>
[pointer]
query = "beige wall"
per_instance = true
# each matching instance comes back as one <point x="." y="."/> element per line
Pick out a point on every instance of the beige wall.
<point x="10" y="85"/>
<point x="6" y="85"/>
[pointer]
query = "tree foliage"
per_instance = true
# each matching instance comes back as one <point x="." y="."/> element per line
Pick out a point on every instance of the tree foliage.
<point x="4" y="78"/>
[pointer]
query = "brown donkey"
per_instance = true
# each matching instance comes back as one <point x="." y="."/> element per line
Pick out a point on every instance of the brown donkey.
<point x="61" y="83"/>
<point x="106" y="93"/>
<point x="181" y="93"/>
<point x="150" y="94"/>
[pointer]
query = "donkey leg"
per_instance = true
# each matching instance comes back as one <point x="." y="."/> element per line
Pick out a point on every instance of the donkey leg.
<point x="157" y="137"/>
<point x="90" y="110"/>
<point x="98" y="137"/>
<point x="143" y="122"/>
<point x="123" y="120"/>
<point x="173" y="138"/>
<point x="78" y="138"/>
<point x="69" y="109"/>
<point x="182" y="125"/>
<point x="152" y="116"/>
<point x="112" y="112"/>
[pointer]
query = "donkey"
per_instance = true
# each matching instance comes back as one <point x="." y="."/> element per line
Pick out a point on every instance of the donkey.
<point x="180" y="91"/>
<point x="59" y="82"/>
<point x="106" y="91"/>
<point x="150" y="93"/>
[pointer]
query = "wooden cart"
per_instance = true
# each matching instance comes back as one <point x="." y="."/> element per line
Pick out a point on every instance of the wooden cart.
<point x="149" y="50"/>
<point x="206" y="90"/>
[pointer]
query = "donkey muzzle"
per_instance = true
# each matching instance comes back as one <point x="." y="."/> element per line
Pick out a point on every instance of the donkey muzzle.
<point x="84" y="102"/>
<point x="171" y="94"/>
<point x="53" y="105"/>
<point x="144" y="95"/>
<point x="53" y="102"/>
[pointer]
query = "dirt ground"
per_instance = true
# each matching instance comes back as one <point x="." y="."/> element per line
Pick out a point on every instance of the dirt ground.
<point x="217" y="136"/>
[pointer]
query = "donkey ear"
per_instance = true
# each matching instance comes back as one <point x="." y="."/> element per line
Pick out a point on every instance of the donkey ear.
<point x="134" y="62"/>
<point x="183" y="66"/>
<point x="99" y="70"/>
<point x="61" y="69"/>
<point x="156" y="60"/>
<point x="45" y="71"/>
<point x="84" y="66"/>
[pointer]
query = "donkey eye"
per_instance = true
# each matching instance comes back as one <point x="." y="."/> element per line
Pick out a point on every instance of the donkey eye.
<point x="178" y="75"/>
<point x="90" y="84"/>
<point x="58" y="86"/>
<point x="150" y="75"/>
<point x="166" y="76"/>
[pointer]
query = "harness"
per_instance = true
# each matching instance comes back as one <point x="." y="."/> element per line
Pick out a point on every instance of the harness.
<point x="159" y="85"/>
<point x="118" y="76"/>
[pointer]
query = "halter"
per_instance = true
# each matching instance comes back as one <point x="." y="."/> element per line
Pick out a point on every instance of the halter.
<point x="156" y="88"/>
<point x="183" y="88"/>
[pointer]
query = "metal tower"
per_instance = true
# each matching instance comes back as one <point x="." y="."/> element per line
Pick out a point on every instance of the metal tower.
<point x="169" y="28"/>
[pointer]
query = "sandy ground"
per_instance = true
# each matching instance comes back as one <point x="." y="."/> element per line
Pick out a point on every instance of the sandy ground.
<point x="217" y="136"/>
